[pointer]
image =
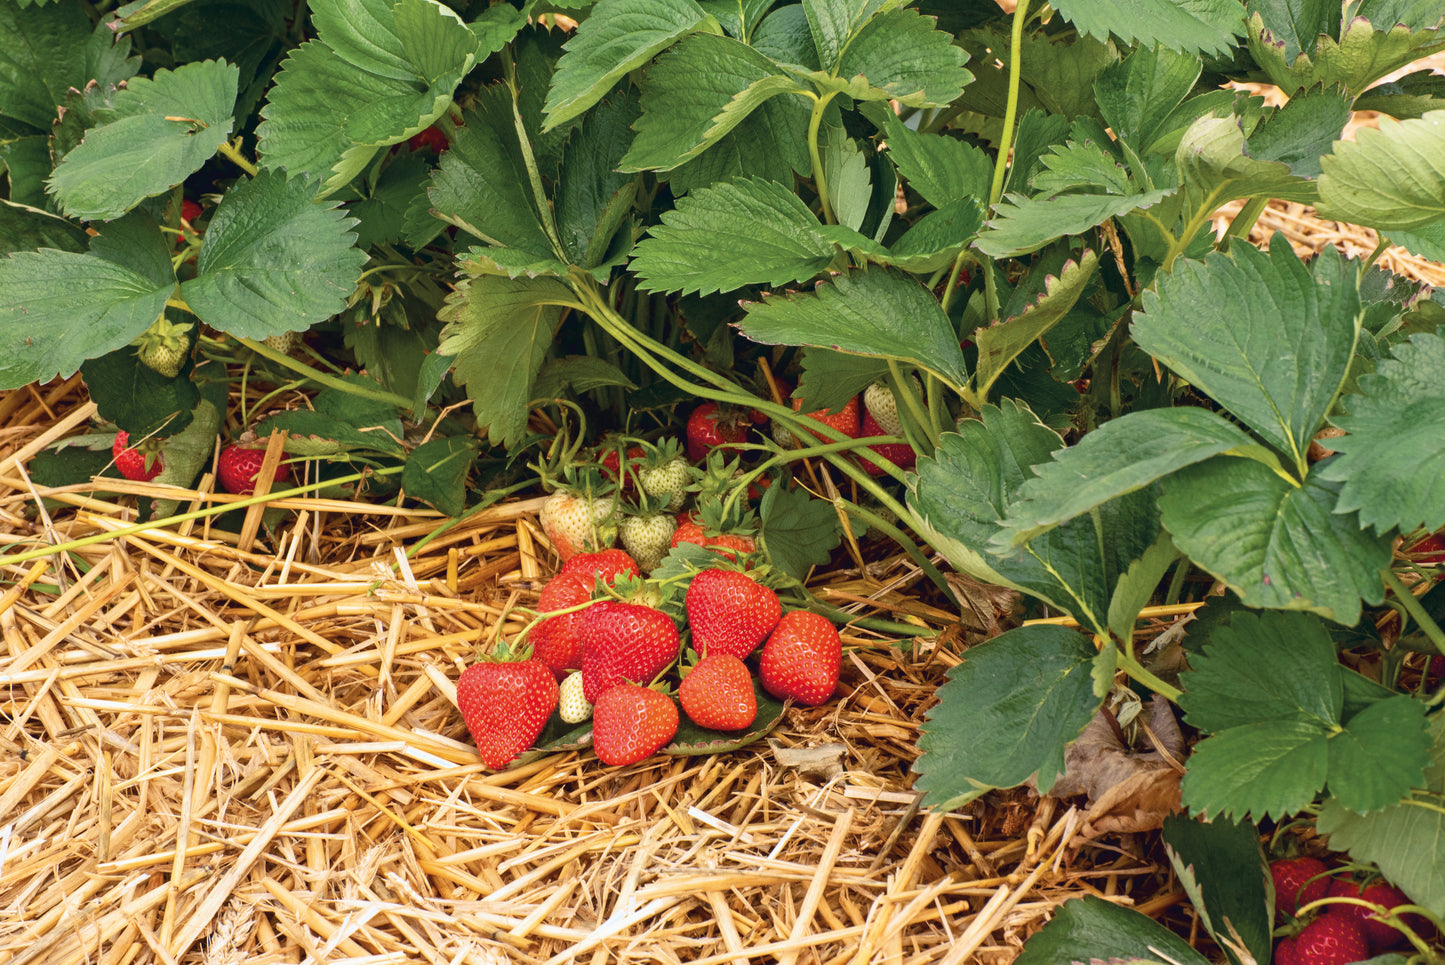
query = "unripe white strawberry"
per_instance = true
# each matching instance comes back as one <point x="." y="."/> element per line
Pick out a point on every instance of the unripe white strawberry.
<point x="648" y="538"/>
<point x="577" y="523"/>
<point x="667" y="483"/>
<point x="164" y="346"/>
<point x="572" y="703"/>
<point x="883" y="407"/>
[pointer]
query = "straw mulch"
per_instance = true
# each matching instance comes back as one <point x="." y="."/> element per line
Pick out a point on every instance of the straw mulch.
<point x="216" y="752"/>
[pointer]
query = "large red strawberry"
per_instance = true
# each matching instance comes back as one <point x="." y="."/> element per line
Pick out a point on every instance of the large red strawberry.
<point x="579" y="520"/>
<point x="624" y="641"/>
<point x="612" y="467"/>
<point x="631" y="722"/>
<point x="506" y="704"/>
<point x="604" y="565"/>
<point x="431" y="139"/>
<point x="1297" y="882"/>
<point x="137" y="465"/>
<point x="238" y="465"/>
<point x="717" y="693"/>
<point x="690" y="529"/>
<point x="713" y="427"/>
<point x="557" y="641"/>
<point x="901" y="454"/>
<point x="1330" y="939"/>
<point x="802" y="658"/>
<point x="730" y="612"/>
<point x="1382" y="936"/>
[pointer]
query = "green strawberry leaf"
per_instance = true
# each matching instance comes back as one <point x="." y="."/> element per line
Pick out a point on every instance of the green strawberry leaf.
<point x="999" y="345"/>
<point x="436" y="472"/>
<point x="377" y="73"/>
<point x="23" y="228"/>
<point x="797" y="531"/>
<point x="1275" y="543"/>
<point x="339" y="421"/>
<point x="25" y="159"/>
<point x="1137" y="95"/>
<point x="156" y="133"/>
<point x="499" y="330"/>
<point x="1302" y="130"/>
<point x="1265" y="770"/>
<point x="557" y="736"/>
<point x="1214" y="159"/>
<point x="44" y="51"/>
<point x="481" y="184"/>
<point x="1222" y="868"/>
<point x="898" y="55"/>
<point x="770" y="235"/>
<point x="1263" y="667"/>
<point x="1361" y="56"/>
<point x="87" y="305"/>
<point x="940" y="168"/>
<point x="617" y="37"/>
<point x="1204" y="26"/>
<point x="1022" y="224"/>
<point x="829" y="379"/>
<point x="381" y="209"/>
<point x="593" y="198"/>
<point x="962" y="491"/>
<point x="1091" y="929"/>
<point x="695" y="94"/>
<point x="1122" y="455"/>
<point x="1275" y="359"/>
<point x="274" y="260"/>
<point x="1381" y="754"/>
<point x="874" y="312"/>
<point x="694" y="740"/>
<point x="1391" y="464"/>
<point x="1403" y="839"/>
<point x="137" y="398"/>
<point x="1007" y="712"/>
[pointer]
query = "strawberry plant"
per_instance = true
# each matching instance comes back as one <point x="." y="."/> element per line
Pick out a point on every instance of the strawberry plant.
<point x="1004" y="222"/>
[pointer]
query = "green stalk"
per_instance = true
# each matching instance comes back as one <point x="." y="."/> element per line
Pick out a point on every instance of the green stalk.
<point x="820" y="181"/>
<point x="1244" y="221"/>
<point x="1011" y="108"/>
<point x="233" y="154"/>
<point x="321" y="378"/>
<point x="215" y="510"/>
<point x="1412" y="606"/>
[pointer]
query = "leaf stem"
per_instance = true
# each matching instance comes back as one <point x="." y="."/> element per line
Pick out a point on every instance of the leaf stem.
<point x="1137" y="671"/>
<point x="1412" y="606"/>
<point x="820" y="180"/>
<point x="1011" y="108"/>
<point x="232" y="153"/>
<point x="321" y="378"/>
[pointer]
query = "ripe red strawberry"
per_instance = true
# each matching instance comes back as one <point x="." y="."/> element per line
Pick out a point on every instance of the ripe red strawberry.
<point x="846" y="420"/>
<point x="631" y="722"/>
<point x="1297" y="882"/>
<point x="901" y="454"/>
<point x="734" y="546"/>
<point x="557" y="641"/>
<point x="579" y="520"/>
<point x="718" y="693"/>
<point x="802" y="658"/>
<point x="135" y="464"/>
<point x="431" y="139"/>
<point x="506" y="704"/>
<point x="190" y="210"/>
<point x="624" y="641"/>
<point x="1382" y="936"/>
<point x="713" y="427"/>
<point x="1330" y="939"/>
<point x="604" y="565"/>
<point x="237" y="468"/>
<point x="730" y="612"/>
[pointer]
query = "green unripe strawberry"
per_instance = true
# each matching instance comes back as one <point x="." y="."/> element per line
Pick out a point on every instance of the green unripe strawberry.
<point x="164" y="346"/>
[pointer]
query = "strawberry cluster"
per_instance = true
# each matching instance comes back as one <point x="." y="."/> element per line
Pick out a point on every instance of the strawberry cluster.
<point x="609" y="646"/>
<point x="1329" y="917"/>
